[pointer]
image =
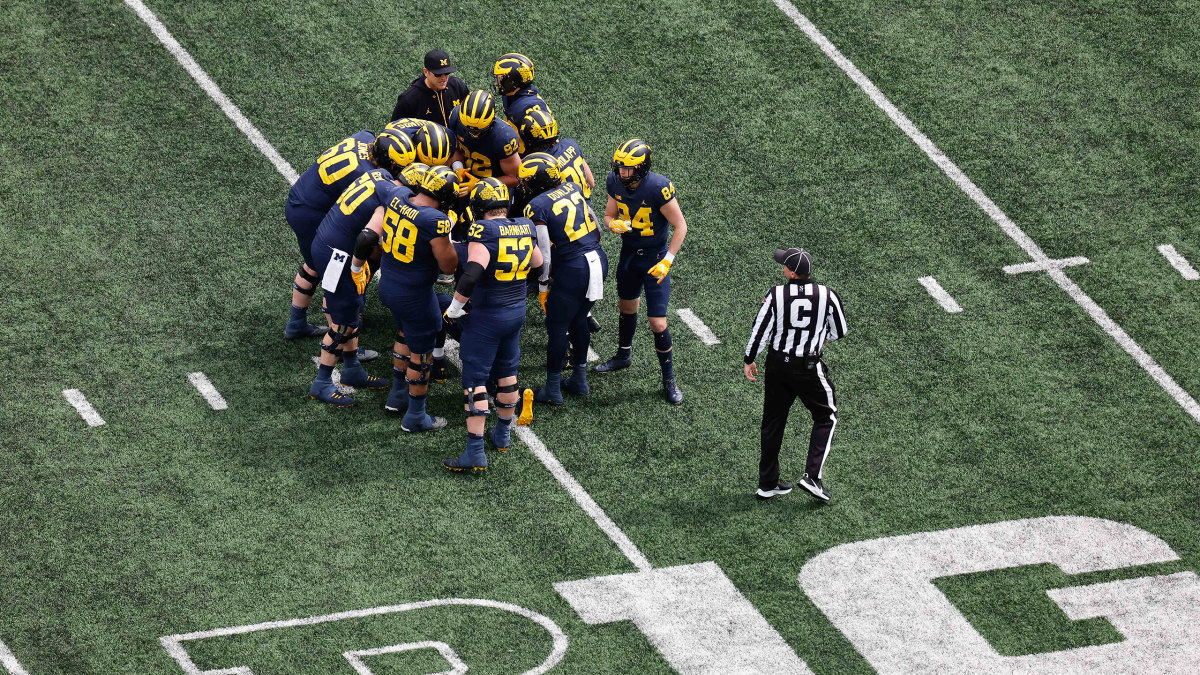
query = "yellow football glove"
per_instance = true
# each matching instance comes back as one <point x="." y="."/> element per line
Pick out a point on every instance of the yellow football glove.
<point x="543" y="293"/>
<point x="661" y="270"/>
<point x="361" y="277"/>
<point x="466" y="181"/>
<point x="620" y="226"/>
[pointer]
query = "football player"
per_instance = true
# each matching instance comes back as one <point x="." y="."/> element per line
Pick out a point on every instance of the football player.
<point x="316" y="190"/>
<point x="514" y="81"/>
<point x="642" y="208"/>
<point x="570" y="241"/>
<point x="362" y="204"/>
<point x="416" y="234"/>
<point x="539" y="132"/>
<point x="500" y="254"/>
<point x="486" y="146"/>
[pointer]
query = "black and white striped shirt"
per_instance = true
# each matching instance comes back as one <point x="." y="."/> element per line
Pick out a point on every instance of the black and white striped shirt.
<point x="796" y="319"/>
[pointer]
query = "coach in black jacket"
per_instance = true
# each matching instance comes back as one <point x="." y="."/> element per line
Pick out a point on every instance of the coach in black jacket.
<point x="434" y="94"/>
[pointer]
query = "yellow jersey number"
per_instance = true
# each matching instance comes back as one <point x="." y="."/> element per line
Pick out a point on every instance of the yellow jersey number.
<point x="510" y="254"/>
<point x="358" y="191"/>
<point x="479" y="165"/>
<point x="574" y="172"/>
<point x="399" y="236"/>
<point x="573" y="204"/>
<point x="338" y="161"/>
<point x="640" y="220"/>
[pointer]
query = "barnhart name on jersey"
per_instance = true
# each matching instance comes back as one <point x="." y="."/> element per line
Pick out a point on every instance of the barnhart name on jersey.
<point x="516" y="230"/>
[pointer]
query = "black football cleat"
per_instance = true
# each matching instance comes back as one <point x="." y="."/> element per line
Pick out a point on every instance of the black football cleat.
<point x="781" y="488"/>
<point x="814" y="487"/>
<point x="460" y="466"/>
<point x="303" y="329"/>
<point x="613" y="365"/>
<point x="672" y="392"/>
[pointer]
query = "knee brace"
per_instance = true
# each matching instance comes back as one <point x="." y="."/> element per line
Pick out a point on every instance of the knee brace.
<point x="339" y="338"/>
<point x="471" y="399"/>
<point x="422" y="372"/>
<point x="507" y="389"/>
<point x="312" y="279"/>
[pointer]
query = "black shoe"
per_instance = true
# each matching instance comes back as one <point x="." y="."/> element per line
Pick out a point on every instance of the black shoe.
<point x="781" y="488"/>
<point x="614" y="364"/>
<point x="593" y="324"/>
<point x="672" y="392"/>
<point x="814" y="487"/>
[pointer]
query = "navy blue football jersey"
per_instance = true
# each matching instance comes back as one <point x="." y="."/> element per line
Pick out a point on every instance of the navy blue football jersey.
<point x="568" y="219"/>
<point x="510" y="241"/>
<point x="643" y="207"/>
<point x="570" y="163"/>
<point x="482" y="154"/>
<point x="408" y="232"/>
<point x="518" y="105"/>
<point x="353" y="210"/>
<point x="321" y="184"/>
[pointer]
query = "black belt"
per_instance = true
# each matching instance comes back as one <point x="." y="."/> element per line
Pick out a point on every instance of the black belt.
<point x="791" y="359"/>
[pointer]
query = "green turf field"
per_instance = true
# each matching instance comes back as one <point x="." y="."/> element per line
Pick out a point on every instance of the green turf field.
<point x="144" y="240"/>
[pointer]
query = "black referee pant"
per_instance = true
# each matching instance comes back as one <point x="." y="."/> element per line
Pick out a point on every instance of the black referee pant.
<point x="788" y="378"/>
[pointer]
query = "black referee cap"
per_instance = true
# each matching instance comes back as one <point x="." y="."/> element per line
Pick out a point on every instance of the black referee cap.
<point x="795" y="259"/>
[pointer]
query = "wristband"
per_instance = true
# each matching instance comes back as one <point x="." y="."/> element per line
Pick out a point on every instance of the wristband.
<point x="456" y="305"/>
<point x="669" y="257"/>
<point x="457" y="165"/>
<point x="355" y="268"/>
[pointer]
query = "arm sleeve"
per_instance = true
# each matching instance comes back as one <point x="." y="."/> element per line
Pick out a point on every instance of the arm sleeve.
<point x="543" y="240"/>
<point x="836" y="321"/>
<point x="762" y="327"/>
<point x="365" y="243"/>
<point x="472" y="273"/>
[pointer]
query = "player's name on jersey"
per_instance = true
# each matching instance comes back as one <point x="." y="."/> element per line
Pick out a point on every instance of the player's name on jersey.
<point x="568" y="154"/>
<point x="560" y="192"/>
<point x="515" y="230"/>
<point x="403" y="209"/>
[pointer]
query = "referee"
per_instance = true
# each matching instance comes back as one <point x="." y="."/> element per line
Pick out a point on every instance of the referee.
<point x="796" y="320"/>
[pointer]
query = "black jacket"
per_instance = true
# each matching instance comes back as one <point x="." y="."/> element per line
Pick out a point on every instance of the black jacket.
<point x="421" y="102"/>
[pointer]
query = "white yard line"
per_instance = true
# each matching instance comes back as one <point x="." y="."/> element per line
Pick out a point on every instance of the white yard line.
<point x="1179" y="262"/>
<point x="9" y="661"/>
<point x="85" y="409"/>
<point x="231" y="111"/>
<point x="177" y="651"/>
<point x="592" y="355"/>
<point x="569" y="483"/>
<point x="943" y="298"/>
<point x="1046" y="265"/>
<point x="207" y="390"/>
<point x="702" y="331"/>
<point x="989" y="207"/>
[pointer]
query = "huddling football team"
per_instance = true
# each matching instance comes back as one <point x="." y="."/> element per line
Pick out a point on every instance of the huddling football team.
<point x="498" y="209"/>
